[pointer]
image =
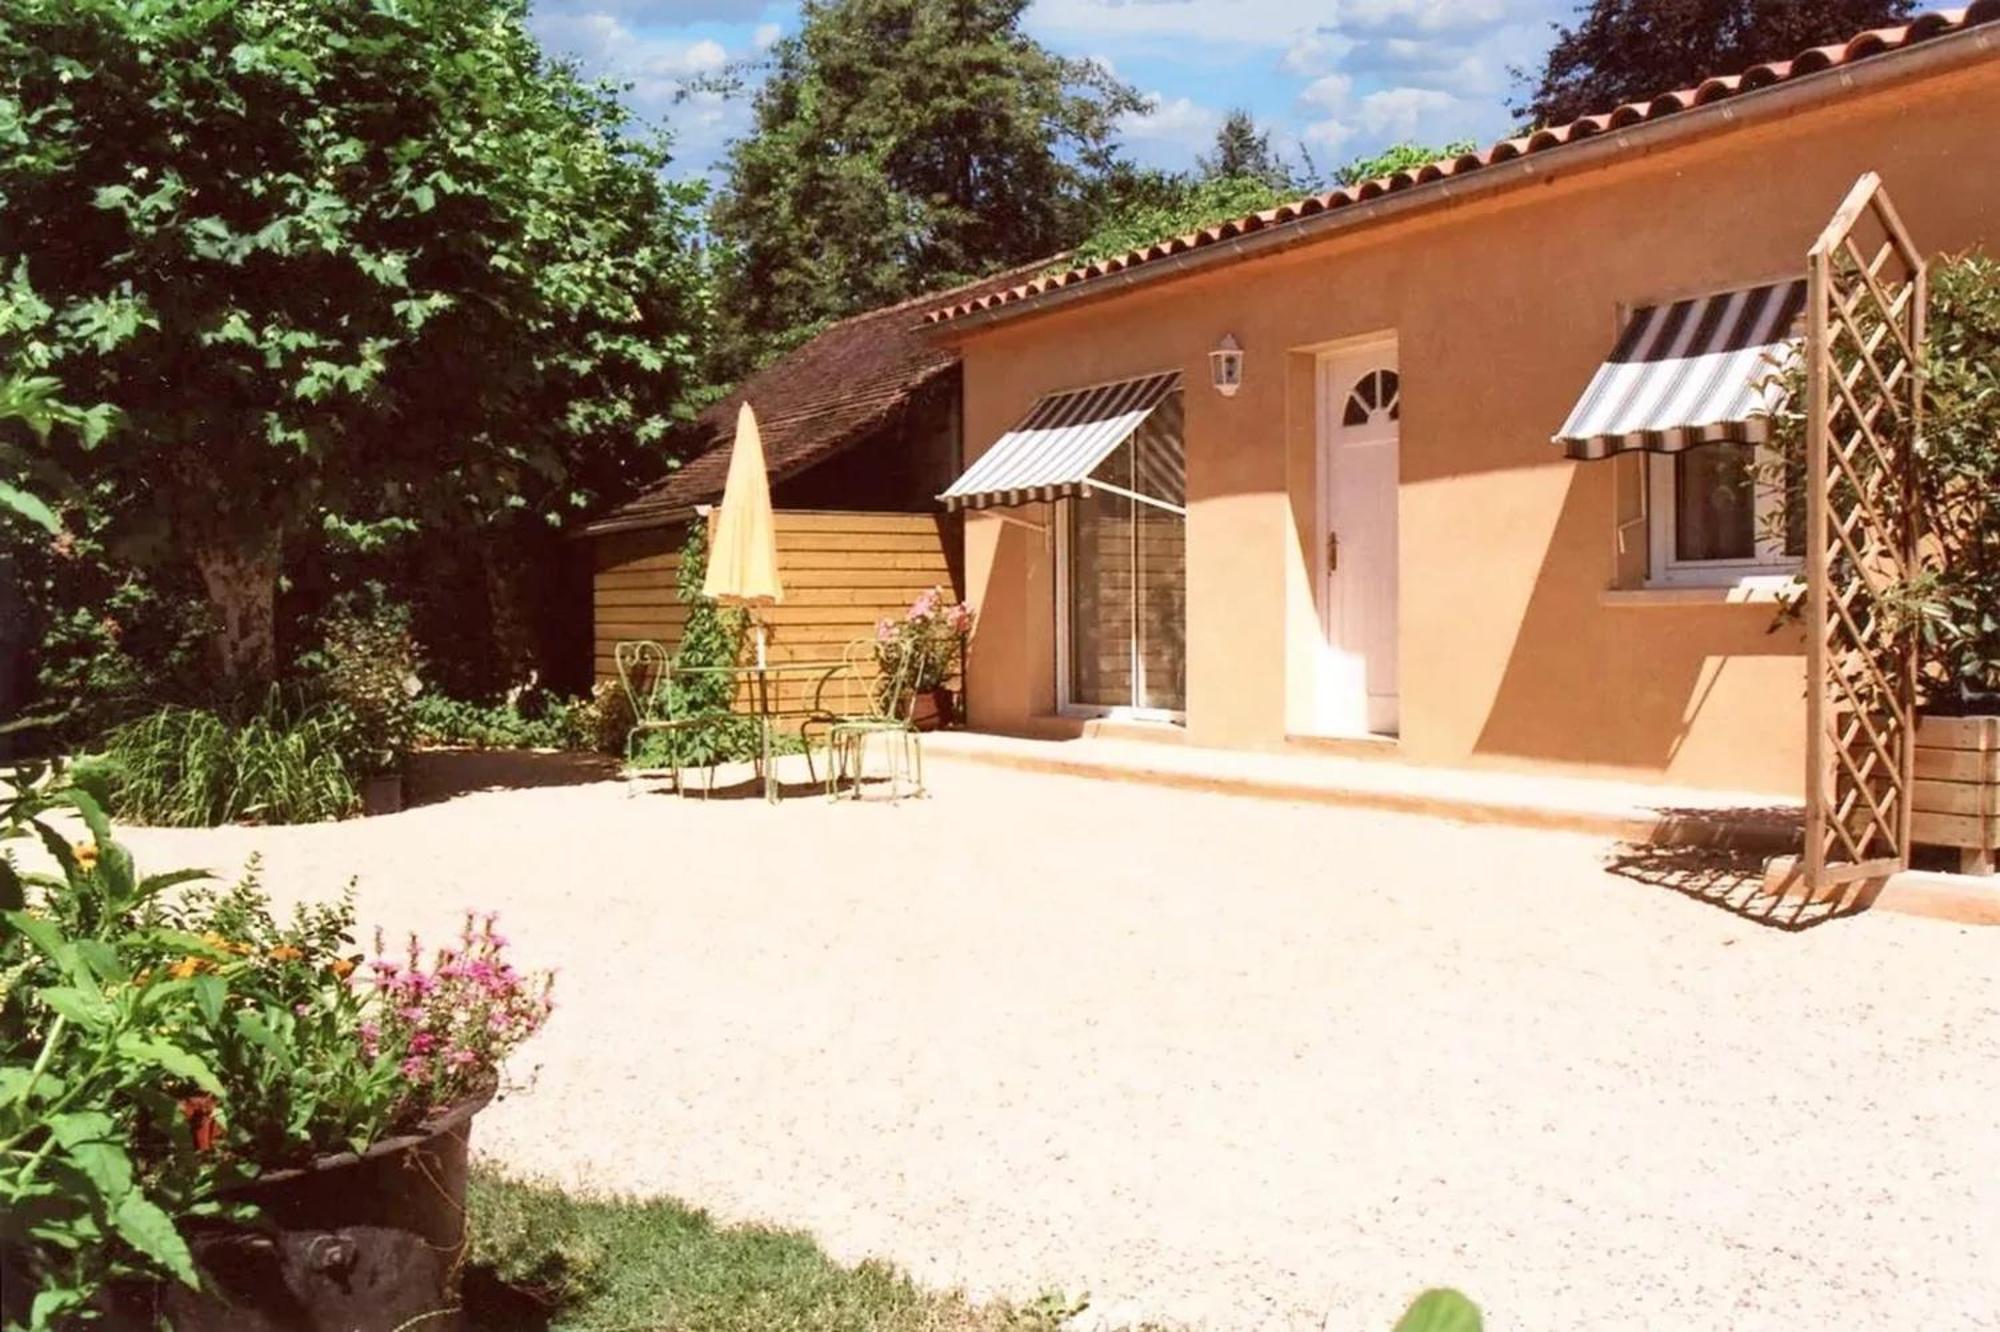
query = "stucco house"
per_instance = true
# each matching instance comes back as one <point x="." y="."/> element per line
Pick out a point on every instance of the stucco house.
<point x="1447" y="466"/>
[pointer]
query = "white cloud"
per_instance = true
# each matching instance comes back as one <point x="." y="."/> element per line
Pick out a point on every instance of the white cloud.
<point x="1235" y="22"/>
<point x="1400" y="113"/>
<point x="1341" y="119"/>
<point x="766" y="36"/>
<point x="603" y="42"/>
<point x="1171" y="130"/>
<point x="1425" y="15"/>
<point x="1316" y="52"/>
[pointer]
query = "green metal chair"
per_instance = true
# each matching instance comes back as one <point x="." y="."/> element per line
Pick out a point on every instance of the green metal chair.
<point x="646" y="670"/>
<point x="891" y="704"/>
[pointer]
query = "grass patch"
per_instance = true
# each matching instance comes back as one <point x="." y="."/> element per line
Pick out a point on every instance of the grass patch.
<point x="543" y="1258"/>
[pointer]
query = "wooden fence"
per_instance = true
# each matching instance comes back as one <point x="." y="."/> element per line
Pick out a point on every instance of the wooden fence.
<point x="842" y="572"/>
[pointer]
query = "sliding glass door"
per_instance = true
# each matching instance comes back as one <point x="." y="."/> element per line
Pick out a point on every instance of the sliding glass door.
<point x="1123" y="564"/>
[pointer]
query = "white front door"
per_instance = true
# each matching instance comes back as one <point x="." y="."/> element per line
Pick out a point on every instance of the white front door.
<point x="1359" y="414"/>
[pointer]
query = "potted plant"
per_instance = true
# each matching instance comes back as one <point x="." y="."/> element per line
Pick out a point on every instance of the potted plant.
<point x="1956" y="601"/>
<point x="1950" y="607"/>
<point x="925" y="652"/>
<point x="368" y="667"/>
<point x="223" y="1120"/>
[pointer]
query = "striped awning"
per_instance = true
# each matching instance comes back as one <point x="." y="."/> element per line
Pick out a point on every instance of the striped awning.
<point x="1694" y="372"/>
<point x="1059" y="443"/>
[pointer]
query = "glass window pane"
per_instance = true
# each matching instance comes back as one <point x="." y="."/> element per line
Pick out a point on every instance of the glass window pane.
<point x="1162" y="611"/>
<point x="1127" y="575"/>
<point x="1715" y="508"/>
<point x="1100" y="601"/>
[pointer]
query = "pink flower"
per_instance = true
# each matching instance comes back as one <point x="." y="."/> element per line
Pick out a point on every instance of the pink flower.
<point x="423" y="1043"/>
<point x="302" y="1010"/>
<point x="414" y="1069"/>
<point x="461" y="1057"/>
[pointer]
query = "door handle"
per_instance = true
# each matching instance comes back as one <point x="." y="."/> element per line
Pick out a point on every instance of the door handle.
<point x="1333" y="552"/>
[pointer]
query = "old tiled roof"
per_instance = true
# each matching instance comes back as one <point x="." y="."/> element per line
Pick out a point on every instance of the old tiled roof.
<point x="1919" y="29"/>
<point x="831" y="392"/>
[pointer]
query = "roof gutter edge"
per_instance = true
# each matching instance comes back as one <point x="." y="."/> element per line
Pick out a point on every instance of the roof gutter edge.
<point x="1963" y="47"/>
<point x="637" y="523"/>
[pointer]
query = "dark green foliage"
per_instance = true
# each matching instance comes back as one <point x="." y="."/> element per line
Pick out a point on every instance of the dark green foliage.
<point x="1952" y="605"/>
<point x="342" y="270"/>
<point x="713" y="636"/>
<point x="901" y="146"/>
<point x="110" y="638"/>
<point x="367" y="668"/>
<point x="31" y="406"/>
<point x="199" y="768"/>
<point x="527" y="719"/>
<point x="1961" y="482"/>
<point x="1622" y="51"/>
<point x="1243" y="152"/>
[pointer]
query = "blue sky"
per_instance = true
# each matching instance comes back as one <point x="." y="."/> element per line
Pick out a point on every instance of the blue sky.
<point x="1339" y="78"/>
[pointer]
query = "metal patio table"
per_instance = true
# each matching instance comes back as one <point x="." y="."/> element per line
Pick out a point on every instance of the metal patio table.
<point x="760" y="673"/>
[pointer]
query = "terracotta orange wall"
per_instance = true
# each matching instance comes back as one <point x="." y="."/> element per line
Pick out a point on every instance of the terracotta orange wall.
<point x="1512" y="655"/>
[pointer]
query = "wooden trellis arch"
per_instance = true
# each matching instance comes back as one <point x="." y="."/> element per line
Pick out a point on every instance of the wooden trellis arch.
<point x="1866" y="295"/>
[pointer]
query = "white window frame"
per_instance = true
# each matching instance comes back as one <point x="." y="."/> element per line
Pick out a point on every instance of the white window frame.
<point x="1066" y="704"/>
<point x="1770" y="566"/>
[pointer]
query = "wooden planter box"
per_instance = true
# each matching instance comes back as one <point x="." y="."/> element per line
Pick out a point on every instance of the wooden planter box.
<point x="1957" y="798"/>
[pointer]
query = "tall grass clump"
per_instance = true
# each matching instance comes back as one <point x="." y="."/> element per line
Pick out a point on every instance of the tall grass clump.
<point x="194" y="768"/>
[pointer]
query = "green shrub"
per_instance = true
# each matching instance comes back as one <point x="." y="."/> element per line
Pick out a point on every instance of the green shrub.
<point x="158" y="1048"/>
<point x="1951" y="606"/>
<point x="367" y="665"/>
<point x="194" y="768"/>
<point x="529" y="718"/>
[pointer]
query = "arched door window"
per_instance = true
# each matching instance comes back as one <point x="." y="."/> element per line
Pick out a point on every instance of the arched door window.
<point x="1376" y="396"/>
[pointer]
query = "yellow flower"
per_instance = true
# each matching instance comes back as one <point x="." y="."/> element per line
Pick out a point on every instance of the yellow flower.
<point x="86" y="854"/>
<point x="189" y="966"/>
<point x="341" y="968"/>
<point x="286" y="953"/>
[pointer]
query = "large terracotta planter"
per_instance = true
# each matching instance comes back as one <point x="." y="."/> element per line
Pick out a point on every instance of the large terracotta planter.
<point x="935" y="710"/>
<point x="374" y="1241"/>
<point x="1956" y="803"/>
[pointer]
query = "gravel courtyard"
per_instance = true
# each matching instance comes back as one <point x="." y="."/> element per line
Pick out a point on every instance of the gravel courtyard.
<point x="1220" y="1062"/>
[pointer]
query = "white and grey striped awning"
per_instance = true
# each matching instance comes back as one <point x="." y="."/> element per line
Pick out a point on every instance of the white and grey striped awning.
<point x="1059" y="443"/>
<point x="1694" y="372"/>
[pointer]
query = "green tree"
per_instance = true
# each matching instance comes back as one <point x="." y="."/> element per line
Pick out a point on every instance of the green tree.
<point x="342" y="270"/>
<point x="899" y="146"/>
<point x="1622" y="51"/>
<point x="1242" y="151"/>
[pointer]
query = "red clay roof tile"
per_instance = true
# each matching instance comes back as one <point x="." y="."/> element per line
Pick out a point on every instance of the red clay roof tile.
<point x="832" y="391"/>
<point x="1921" y="28"/>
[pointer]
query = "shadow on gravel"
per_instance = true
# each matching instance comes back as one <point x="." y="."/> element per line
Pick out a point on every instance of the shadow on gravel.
<point x="434" y="775"/>
<point x="1731" y="879"/>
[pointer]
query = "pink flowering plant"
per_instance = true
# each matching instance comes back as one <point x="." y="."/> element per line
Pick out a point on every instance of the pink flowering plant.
<point x="449" y="1023"/>
<point x="325" y="1049"/>
<point x="936" y="627"/>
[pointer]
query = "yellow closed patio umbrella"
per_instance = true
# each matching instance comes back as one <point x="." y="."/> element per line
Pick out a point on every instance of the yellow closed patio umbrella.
<point x="743" y="560"/>
<point x="743" y="551"/>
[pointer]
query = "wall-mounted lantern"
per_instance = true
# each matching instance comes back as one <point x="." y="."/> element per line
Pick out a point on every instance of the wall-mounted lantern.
<point x="1225" y="366"/>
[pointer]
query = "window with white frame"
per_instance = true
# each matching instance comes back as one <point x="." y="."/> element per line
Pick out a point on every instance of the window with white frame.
<point x="1722" y="513"/>
<point x="1121" y="579"/>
